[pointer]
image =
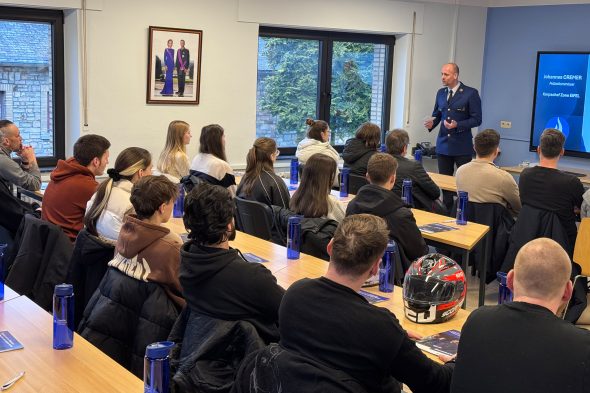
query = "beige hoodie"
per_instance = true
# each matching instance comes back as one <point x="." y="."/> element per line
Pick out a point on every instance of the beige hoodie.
<point x="149" y="252"/>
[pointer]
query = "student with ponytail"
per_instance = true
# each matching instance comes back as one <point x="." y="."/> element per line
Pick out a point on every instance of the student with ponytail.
<point x="260" y="183"/>
<point x="317" y="141"/>
<point x="111" y="202"/>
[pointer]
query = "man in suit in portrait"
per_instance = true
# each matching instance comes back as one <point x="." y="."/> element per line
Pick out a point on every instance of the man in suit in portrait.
<point x="183" y="61"/>
<point x="458" y="109"/>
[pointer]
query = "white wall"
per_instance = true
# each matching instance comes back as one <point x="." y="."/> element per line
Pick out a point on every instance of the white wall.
<point x="117" y="61"/>
<point x="432" y="49"/>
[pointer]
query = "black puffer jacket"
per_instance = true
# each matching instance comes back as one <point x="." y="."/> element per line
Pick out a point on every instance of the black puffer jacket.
<point x="87" y="267"/>
<point x="125" y="315"/>
<point x="356" y="156"/>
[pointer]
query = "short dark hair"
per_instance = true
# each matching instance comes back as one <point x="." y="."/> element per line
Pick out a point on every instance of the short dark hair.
<point x="207" y="211"/>
<point x="357" y="243"/>
<point x="87" y="147"/>
<point x="380" y="167"/>
<point x="396" y="141"/>
<point x="552" y="142"/>
<point x="486" y="142"/>
<point x="148" y="194"/>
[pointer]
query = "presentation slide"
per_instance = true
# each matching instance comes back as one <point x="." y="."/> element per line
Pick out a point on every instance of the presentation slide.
<point x="561" y="101"/>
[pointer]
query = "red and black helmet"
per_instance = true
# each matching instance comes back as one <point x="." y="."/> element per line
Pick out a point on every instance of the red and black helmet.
<point x="434" y="289"/>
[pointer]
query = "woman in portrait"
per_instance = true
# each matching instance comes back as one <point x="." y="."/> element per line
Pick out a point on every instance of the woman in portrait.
<point x="168" y="89"/>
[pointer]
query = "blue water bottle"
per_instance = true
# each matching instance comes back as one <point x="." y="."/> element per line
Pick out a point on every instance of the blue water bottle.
<point x="383" y="148"/>
<point x="344" y="175"/>
<point x="504" y="293"/>
<point x="63" y="316"/>
<point x="462" y="208"/>
<point x="418" y="155"/>
<point x="156" y="367"/>
<point x="294" y="175"/>
<point x="294" y="237"/>
<point x="387" y="268"/>
<point x="179" y="203"/>
<point x="407" y="192"/>
<point x="3" y="248"/>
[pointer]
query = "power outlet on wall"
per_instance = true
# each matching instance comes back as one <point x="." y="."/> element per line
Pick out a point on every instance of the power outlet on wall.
<point x="505" y="124"/>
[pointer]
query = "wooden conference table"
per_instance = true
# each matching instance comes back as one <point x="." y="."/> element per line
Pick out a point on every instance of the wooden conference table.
<point x="83" y="368"/>
<point x="517" y="170"/>
<point x="444" y="182"/>
<point x="288" y="271"/>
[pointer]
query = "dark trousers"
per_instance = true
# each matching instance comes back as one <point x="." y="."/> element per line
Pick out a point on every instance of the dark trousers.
<point x="181" y="79"/>
<point x="446" y="166"/>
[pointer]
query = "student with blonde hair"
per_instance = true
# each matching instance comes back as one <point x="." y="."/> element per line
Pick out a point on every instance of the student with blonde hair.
<point x="173" y="160"/>
<point x="111" y="202"/>
<point x="260" y="183"/>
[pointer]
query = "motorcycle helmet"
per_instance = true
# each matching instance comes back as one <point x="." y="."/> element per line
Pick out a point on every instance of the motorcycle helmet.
<point x="434" y="289"/>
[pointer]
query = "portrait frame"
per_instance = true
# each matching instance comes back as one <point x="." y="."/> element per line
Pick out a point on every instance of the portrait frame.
<point x="163" y="86"/>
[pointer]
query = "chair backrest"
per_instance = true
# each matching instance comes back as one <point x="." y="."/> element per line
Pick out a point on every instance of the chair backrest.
<point x="255" y="218"/>
<point x="582" y="247"/>
<point x="355" y="182"/>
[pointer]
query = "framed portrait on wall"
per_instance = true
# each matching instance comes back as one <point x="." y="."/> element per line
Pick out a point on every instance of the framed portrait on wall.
<point x="174" y="66"/>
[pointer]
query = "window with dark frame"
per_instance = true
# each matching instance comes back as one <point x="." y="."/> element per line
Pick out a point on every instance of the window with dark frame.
<point x="342" y="78"/>
<point x="32" y="78"/>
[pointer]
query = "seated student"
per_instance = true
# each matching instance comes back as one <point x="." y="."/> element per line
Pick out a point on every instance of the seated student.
<point x="73" y="183"/>
<point x="25" y="175"/>
<point x="424" y="190"/>
<point x="260" y="182"/>
<point x="483" y="180"/>
<point x="216" y="280"/>
<point x="376" y="198"/>
<point x="523" y="346"/>
<point x="127" y="311"/>
<point x="312" y="199"/>
<point x="111" y="202"/>
<point x="317" y="142"/>
<point x="547" y="188"/>
<point x="326" y="319"/>
<point x="173" y="160"/>
<point x="359" y="149"/>
<point x="211" y="163"/>
<point x="143" y="239"/>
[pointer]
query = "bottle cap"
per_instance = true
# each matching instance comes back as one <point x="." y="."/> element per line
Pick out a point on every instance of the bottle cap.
<point x="408" y="181"/>
<point x="391" y="246"/>
<point x="345" y="171"/>
<point x="294" y="160"/>
<point x="295" y="220"/>
<point x="64" y="289"/>
<point x="463" y="194"/>
<point x="159" y="350"/>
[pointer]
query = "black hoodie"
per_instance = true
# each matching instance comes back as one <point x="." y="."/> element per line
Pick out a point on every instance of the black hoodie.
<point x="220" y="284"/>
<point x="378" y="201"/>
<point x="356" y="156"/>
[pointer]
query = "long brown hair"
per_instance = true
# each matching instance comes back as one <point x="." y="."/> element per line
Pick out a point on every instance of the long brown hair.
<point x="128" y="163"/>
<point x="316" y="127"/>
<point x="259" y="159"/>
<point x="311" y="197"/>
<point x="211" y="141"/>
<point x="175" y="148"/>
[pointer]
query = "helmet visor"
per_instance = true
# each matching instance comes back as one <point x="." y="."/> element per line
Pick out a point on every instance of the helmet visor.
<point x="428" y="290"/>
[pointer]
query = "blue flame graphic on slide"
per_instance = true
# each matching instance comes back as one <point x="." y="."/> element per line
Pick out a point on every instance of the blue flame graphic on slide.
<point x="559" y="123"/>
